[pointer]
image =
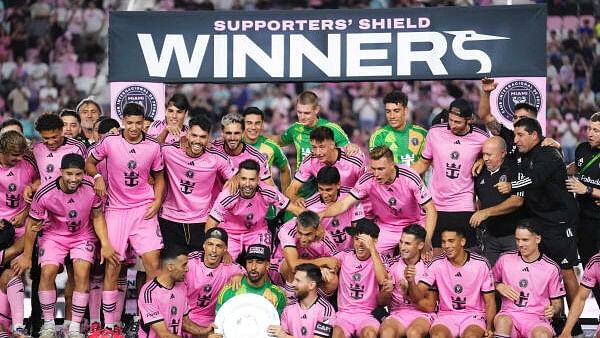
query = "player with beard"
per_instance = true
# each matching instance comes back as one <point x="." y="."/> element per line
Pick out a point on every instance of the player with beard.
<point x="207" y="275"/>
<point x="132" y="158"/>
<point x="89" y="111"/>
<point x="242" y="214"/>
<point x="256" y="280"/>
<point x="408" y="317"/>
<point x="68" y="200"/>
<point x="17" y="171"/>
<point x="191" y="167"/>
<point x="171" y="129"/>
<point x="309" y="316"/>
<point x="163" y="300"/>
<point x="72" y="127"/>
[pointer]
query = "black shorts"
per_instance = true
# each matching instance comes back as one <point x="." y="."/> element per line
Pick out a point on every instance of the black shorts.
<point x="560" y="248"/>
<point x="189" y="236"/>
<point x="453" y="220"/>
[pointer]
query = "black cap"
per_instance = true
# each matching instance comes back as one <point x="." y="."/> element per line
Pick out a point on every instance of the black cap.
<point x="462" y="108"/>
<point x="363" y="226"/>
<point x="258" y="251"/>
<point x="72" y="161"/>
<point x="218" y="233"/>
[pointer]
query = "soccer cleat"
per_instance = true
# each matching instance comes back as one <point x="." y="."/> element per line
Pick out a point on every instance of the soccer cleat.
<point x="20" y="332"/>
<point x="75" y="334"/>
<point x="47" y="332"/>
<point x="117" y="332"/>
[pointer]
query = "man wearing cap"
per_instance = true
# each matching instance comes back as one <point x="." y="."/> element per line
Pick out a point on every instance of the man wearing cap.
<point x="207" y="275"/>
<point x="256" y="280"/>
<point x="362" y="280"/>
<point x="64" y="208"/>
<point x="452" y="148"/>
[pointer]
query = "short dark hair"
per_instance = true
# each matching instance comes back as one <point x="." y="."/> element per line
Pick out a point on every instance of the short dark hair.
<point x="313" y="272"/>
<point x="321" y="134"/>
<point x="11" y="122"/>
<point x="148" y="118"/>
<point x="69" y="112"/>
<point x="72" y="161"/>
<point x="48" y="121"/>
<point x="528" y="225"/>
<point x="201" y="121"/>
<point x="250" y="165"/>
<point x="526" y="106"/>
<point x="171" y="253"/>
<point x="460" y="231"/>
<point x="180" y="101"/>
<point x="530" y="125"/>
<point x="416" y="230"/>
<point x="308" y="218"/>
<point x="133" y="109"/>
<point x="396" y="97"/>
<point x="594" y="118"/>
<point x="381" y="151"/>
<point x="328" y="175"/>
<point x="253" y="111"/>
<point x="107" y="125"/>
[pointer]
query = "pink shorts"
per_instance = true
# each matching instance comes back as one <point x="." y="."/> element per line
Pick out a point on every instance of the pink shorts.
<point x="387" y="241"/>
<point x="236" y="243"/>
<point x="524" y="323"/>
<point x="354" y="323"/>
<point x="406" y="316"/>
<point x="128" y="227"/>
<point x="53" y="249"/>
<point x="457" y="323"/>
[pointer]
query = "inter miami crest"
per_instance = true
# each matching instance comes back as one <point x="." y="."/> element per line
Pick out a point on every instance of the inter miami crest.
<point x="523" y="283"/>
<point x="50" y="168"/>
<point x="514" y="92"/>
<point x="12" y="187"/>
<point x="72" y="214"/>
<point x="189" y="174"/>
<point x="458" y="289"/>
<point x="131" y="165"/>
<point x="455" y="155"/>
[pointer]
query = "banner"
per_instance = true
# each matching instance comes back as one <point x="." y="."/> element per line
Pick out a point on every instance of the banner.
<point x="513" y="90"/>
<point x="149" y="95"/>
<point x="328" y="45"/>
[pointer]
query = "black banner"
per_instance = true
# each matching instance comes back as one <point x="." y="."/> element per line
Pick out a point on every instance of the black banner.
<point x="328" y="45"/>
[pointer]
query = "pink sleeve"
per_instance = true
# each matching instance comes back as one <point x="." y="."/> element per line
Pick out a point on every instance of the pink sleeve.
<point x="304" y="172"/>
<point x="590" y="275"/>
<point x="420" y="192"/>
<point x="284" y="320"/>
<point x="285" y="239"/>
<point x="427" y="151"/>
<point x="428" y="276"/>
<point x="38" y="209"/>
<point x="99" y="152"/>
<point x="219" y="209"/>
<point x="556" y="288"/>
<point x="149" y="312"/>
<point x="280" y="201"/>
<point x="361" y="189"/>
<point x="357" y="212"/>
<point x="497" y="270"/>
<point x="157" y="162"/>
<point x="265" y="172"/>
<point x="97" y="202"/>
<point x="487" y="285"/>
<point x="225" y="169"/>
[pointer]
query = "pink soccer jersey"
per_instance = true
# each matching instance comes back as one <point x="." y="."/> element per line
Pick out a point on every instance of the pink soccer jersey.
<point x="188" y="178"/>
<point x="158" y="126"/>
<point x="48" y="161"/>
<point x="316" y="321"/>
<point x="248" y="153"/>
<point x="358" y="287"/>
<point x="537" y="282"/>
<point x="460" y="288"/>
<point x="319" y="248"/>
<point x="67" y="215"/>
<point x="157" y="303"/>
<point x="452" y="158"/>
<point x="13" y="181"/>
<point x="204" y="284"/>
<point x="591" y="275"/>
<point x="400" y="300"/>
<point x="335" y="225"/>
<point x="239" y="215"/>
<point x="351" y="168"/>
<point x="129" y="168"/>
<point x="398" y="204"/>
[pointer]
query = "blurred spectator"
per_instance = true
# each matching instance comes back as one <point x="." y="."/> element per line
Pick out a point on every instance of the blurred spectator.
<point x="568" y="131"/>
<point x="18" y="101"/>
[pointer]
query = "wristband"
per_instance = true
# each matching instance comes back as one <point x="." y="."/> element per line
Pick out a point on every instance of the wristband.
<point x="589" y="190"/>
<point x="96" y="176"/>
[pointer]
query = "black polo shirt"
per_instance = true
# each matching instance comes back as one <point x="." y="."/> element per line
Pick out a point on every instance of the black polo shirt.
<point x="489" y="196"/>
<point x="590" y="177"/>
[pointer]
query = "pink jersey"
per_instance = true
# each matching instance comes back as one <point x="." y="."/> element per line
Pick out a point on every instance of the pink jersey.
<point x="48" y="161"/>
<point x="358" y="287"/>
<point x="204" y="284"/>
<point x="101" y="167"/>
<point x="460" y="288"/>
<point x="398" y="204"/>
<point x="400" y="300"/>
<point x="187" y="199"/>
<point x="65" y="214"/>
<point x="156" y="304"/>
<point x="158" y="126"/>
<point x="13" y="181"/>
<point x="239" y="215"/>
<point x="129" y="168"/>
<point x="452" y="158"/>
<point x="248" y="153"/>
<point x="591" y="275"/>
<point x="351" y="168"/>
<point x="537" y="282"/>
<point x="316" y="321"/>
<point x="319" y="248"/>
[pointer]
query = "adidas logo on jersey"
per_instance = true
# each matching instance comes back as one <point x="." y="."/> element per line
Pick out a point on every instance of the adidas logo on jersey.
<point x="210" y="274"/>
<point x="191" y="163"/>
<point x="303" y="316"/>
<point x="10" y="173"/>
<point x="50" y="155"/>
<point x="132" y="151"/>
<point x="359" y="266"/>
<point x="172" y="296"/>
<point x="526" y="269"/>
<point x="482" y="181"/>
<point x="457" y="142"/>
<point x="71" y="201"/>
<point x="249" y="205"/>
<point x="458" y="274"/>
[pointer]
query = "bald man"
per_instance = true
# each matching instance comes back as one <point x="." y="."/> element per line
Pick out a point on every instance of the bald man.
<point x="496" y="213"/>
